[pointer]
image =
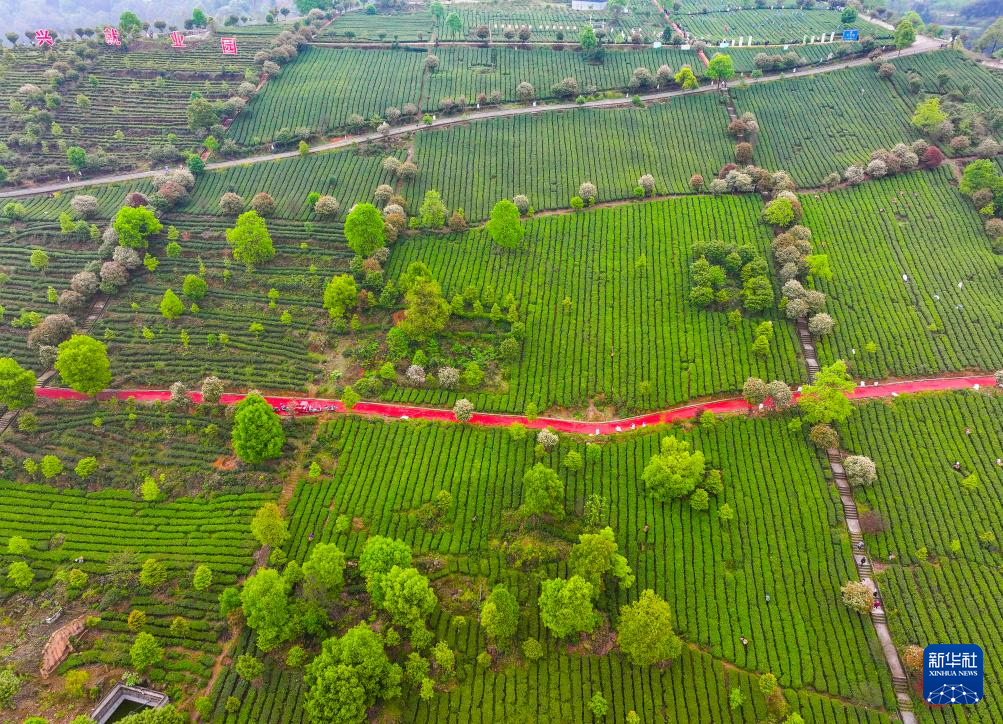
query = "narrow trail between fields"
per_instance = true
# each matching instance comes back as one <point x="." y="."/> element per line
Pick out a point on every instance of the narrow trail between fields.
<point x="921" y="46"/>
<point x="292" y="405"/>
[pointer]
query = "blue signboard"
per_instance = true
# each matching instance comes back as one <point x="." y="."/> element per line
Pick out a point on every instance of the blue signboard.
<point x="851" y="35"/>
<point x="952" y="674"/>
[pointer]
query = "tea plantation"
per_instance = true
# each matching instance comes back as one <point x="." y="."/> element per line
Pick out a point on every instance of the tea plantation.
<point x="499" y="362"/>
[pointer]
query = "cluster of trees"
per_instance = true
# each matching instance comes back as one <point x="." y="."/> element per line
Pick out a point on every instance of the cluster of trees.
<point x="900" y="159"/>
<point x="733" y="178"/>
<point x="982" y="182"/>
<point x="719" y="269"/>
<point x="676" y="472"/>
<point x="798" y="266"/>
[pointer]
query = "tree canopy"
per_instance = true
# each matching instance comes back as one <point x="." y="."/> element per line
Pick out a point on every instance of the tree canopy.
<point x="268" y="525"/>
<point x="674" y="471"/>
<point x="340" y="295"/>
<point x="505" y="226"/>
<point x="645" y="631"/>
<point x="596" y="556"/>
<point x="134" y="225"/>
<point x="825" y="400"/>
<point x="500" y="616"/>
<point x="82" y="363"/>
<point x="407" y="596"/>
<point x="566" y="606"/>
<point x="364" y="229"/>
<point x="266" y="607"/>
<point x="378" y="556"/>
<point x="348" y="676"/>
<point x="542" y="493"/>
<point x="257" y="433"/>
<point x="250" y="240"/>
<point x="427" y="310"/>
<point x="17" y="385"/>
<point x="324" y="571"/>
<point x="720" y="68"/>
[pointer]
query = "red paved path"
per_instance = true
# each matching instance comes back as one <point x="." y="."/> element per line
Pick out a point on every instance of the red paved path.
<point x="308" y="406"/>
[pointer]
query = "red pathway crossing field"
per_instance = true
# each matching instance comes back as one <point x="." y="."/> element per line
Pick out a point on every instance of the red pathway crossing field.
<point x="316" y="406"/>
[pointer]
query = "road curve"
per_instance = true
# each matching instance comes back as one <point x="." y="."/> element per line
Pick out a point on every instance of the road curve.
<point x="923" y="45"/>
<point x="285" y="405"/>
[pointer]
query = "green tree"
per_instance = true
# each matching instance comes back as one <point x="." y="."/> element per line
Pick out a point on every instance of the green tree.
<point x="674" y="471"/>
<point x="505" y="225"/>
<point x="170" y="306"/>
<point x="566" y="606"/>
<point x="848" y="16"/>
<point x="757" y="294"/>
<point x="269" y="527"/>
<point x="340" y="295"/>
<point x="129" y="23"/>
<point x="686" y="79"/>
<point x="542" y="493"/>
<point x="257" y="433"/>
<point x="596" y="556"/>
<point x="992" y="38"/>
<point x="905" y="35"/>
<point x="250" y="240"/>
<point x="9" y="686"/>
<point x="82" y="363"/>
<point x="324" y="572"/>
<point x="201" y="115"/>
<point x="500" y="616"/>
<point x="266" y="607"/>
<point x="928" y="116"/>
<point x="587" y="39"/>
<point x="194" y="287"/>
<point x="350" y="674"/>
<point x="76" y="157"/>
<point x="145" y="651"/>
<point x="645" y="631"/>
<point x="825" y="400"/>
<point x="38" y="259"/>
<point x="378" y="556"/>
<point x="720" y="68"/>
<point x="199" y="19"/>
<point x="454" y="24"/>
<point x="51" y="466"/>
<point x="17" y="385"/>
<point x="20" y="575"/>
<point x="432" y="211"/>
<point x="407" y="596"/>
<point x="978" y="175"/>
<point x="18" y="546"/>
<point x="202" y="578"/>
<point x="427" y="310"/>
<point x="249" y="667"/>
<point x="134" y="225"/>
<point x="364" y="229"/>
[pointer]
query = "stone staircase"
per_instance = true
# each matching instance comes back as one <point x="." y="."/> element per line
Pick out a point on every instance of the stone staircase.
<point x="808" y="348"/>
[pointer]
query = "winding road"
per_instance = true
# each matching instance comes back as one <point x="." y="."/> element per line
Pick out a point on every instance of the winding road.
<point x="922" y="45"/>
<point x="287" y="405"/>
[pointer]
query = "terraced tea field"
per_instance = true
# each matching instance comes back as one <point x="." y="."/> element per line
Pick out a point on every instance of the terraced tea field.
<point x="772" y="26"/>
<point x="548" y="156"/>
<point x="715" y="577"/>
<point x="628" y="355"/>
<point x="922" y="504"/>
<point x="946" y="315"/>
<point x="820" y="124"/>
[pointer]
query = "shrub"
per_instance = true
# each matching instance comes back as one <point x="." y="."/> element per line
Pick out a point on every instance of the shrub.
<point x="463" y="410"/>
<point x="532" y="649"/>
<point x="857" y="595"/>
<point x="263" y="203"/>
<point x="824" y="436"/>
<point x="860" y="470"/>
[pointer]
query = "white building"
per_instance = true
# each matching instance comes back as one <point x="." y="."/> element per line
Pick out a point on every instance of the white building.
<point x="588" y="5"/>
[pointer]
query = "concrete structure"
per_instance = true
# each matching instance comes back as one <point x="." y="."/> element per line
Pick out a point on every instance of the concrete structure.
<point x="121" y="693"/>
<point x="588" y="5"/>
